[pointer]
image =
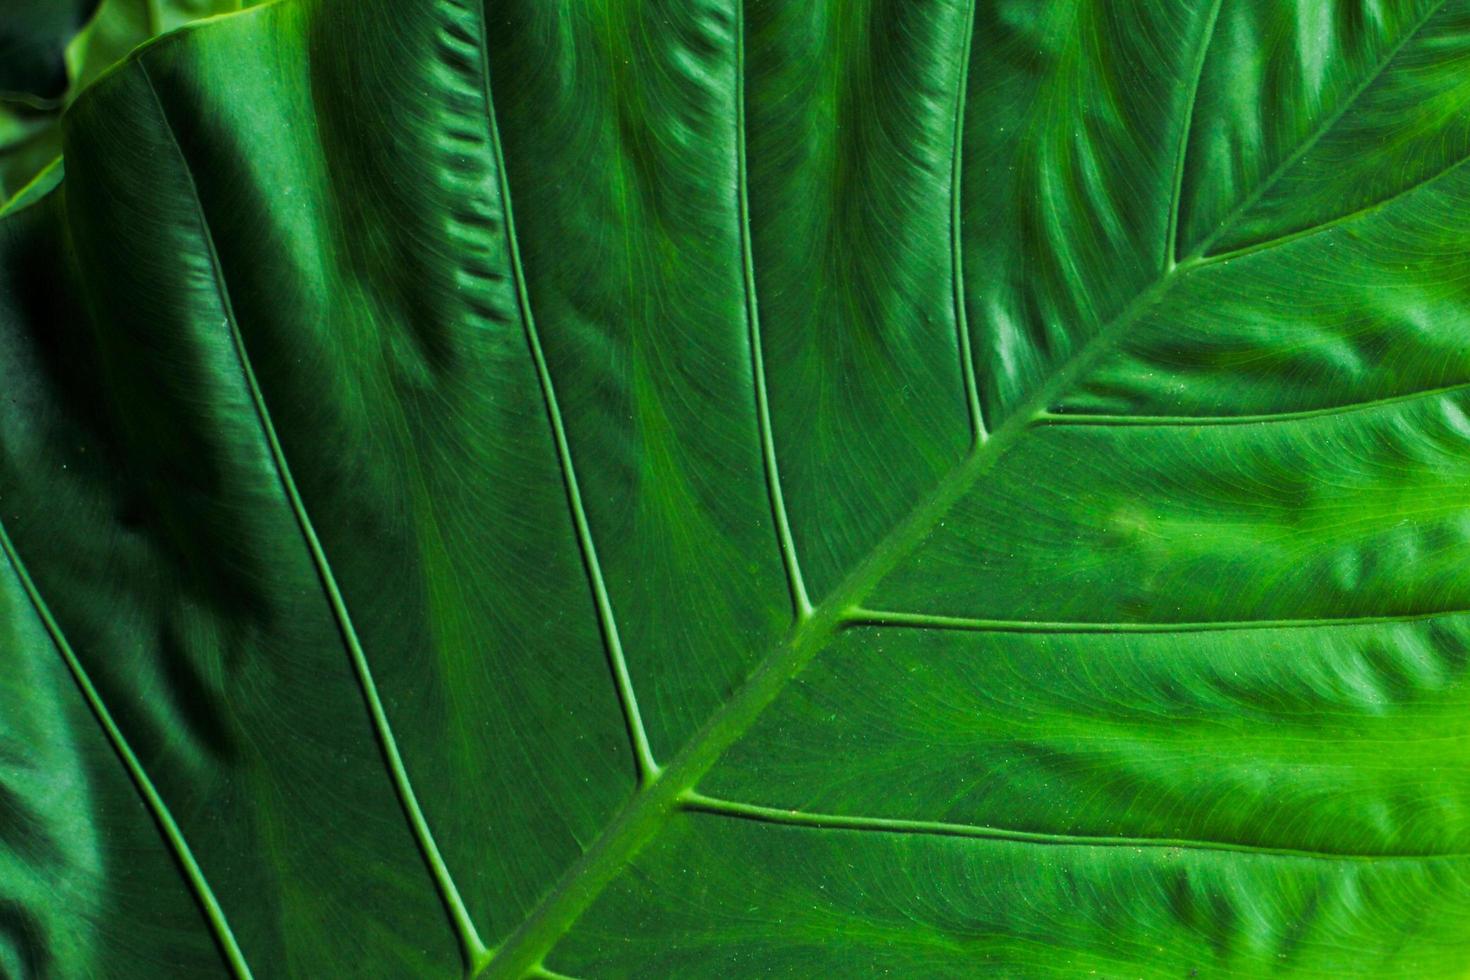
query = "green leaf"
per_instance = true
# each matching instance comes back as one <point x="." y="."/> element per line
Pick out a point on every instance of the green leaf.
<point x="33" y="39"/>
<point x="50" y="50"/>
<point x="688" y="488"/>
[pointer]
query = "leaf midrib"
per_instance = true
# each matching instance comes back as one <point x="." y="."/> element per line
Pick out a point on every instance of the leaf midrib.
<point x="666" y="792"/>
<point x="673" y="788"/>
<point x="645" y="814"/>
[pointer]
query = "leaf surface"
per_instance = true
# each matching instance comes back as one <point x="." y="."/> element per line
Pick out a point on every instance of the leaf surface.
<point x="50" y="50"/>
<point x="682" y="488"/>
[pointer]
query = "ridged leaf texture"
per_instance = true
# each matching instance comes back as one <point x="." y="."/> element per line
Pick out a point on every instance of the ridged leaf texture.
<point x="692" y="488"/>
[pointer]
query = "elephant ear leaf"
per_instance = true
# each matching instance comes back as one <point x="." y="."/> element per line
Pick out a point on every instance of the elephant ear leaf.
<point x="700" y="488"/>
<point x="50" y="50"/>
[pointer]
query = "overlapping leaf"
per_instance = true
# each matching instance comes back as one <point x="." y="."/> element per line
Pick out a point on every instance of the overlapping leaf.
<point x="50" y="51"/>
<point x="678" y="488"/>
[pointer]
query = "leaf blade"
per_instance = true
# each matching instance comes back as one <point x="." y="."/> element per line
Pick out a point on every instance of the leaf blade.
<point x="749" y="295"/>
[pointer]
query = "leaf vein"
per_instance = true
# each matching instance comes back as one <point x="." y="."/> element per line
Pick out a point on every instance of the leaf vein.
<point x="648" y="767"/>
<point x="1365" y="211"/>
<point x="917" y="620"/>
<point x="648" y="810"/>
<point x="471" y="945"/>
<point x="1265" y="418"/>
<point x="799" y="597"/>
<point x="218" y="923"/>
<point x="700" y="803"/>
<point x="1171" y="239"/>
<point x="956" y="243"/>
<point x="1321" y="130"/>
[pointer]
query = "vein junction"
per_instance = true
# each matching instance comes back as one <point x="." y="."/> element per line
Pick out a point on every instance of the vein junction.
<point x="669" y="789"/>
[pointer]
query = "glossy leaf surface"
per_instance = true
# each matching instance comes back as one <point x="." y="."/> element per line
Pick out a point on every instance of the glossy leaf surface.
<point x="51" y="50"/>
<point x="686" y="488"/>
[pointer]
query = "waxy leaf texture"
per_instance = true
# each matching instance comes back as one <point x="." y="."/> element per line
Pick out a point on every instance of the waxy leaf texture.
<point x="744" y="488"/>
<point x="51" y="50"/>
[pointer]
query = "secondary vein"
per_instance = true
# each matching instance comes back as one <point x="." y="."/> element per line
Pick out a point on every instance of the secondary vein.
<point x="642" y="817"/>
<point x="1264" y="418"/>
<point x="919" y="620"/>
<point x="799" y="598"/>
<point x="956" y="241"/>
<point x="1313" y="138"/>
<point x="699" y="803"/>
<point x="472" y="947"/>
<point x="648" y="768"/>
<point x="1171" y="241"/>
<point x="219" y="925"/>
<point x="1346" y="218"/>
